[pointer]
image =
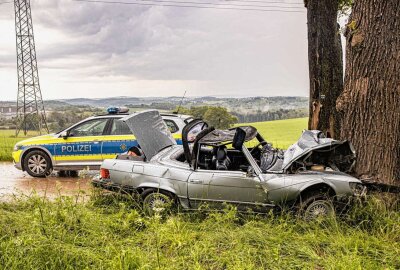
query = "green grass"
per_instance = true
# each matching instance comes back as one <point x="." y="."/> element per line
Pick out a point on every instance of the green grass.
<point x="281" y="133"/>
<point x="109" y="232"/>
<point x="7" y="142"/>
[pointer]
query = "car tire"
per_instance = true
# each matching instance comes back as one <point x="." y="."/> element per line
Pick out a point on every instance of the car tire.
<point x="157" y="202"/>
<point x="38" y="164"/>
<point x="316" y="205"/>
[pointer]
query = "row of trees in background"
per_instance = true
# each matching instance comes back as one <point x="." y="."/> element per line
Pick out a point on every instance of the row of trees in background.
<point x="280" y="114"/>
<point x="365" y="107"/>
<point x="57" y="120"/>
<point x="218" y="117"/>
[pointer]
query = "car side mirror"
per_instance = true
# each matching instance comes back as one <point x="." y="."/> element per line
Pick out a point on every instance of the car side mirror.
<point x="250" y="172"/>
<point x="239" y="138"/>
<point x="64" y="134"/>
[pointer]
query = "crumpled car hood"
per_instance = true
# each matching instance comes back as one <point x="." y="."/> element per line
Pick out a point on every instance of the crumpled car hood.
<point x="315" y="141"/>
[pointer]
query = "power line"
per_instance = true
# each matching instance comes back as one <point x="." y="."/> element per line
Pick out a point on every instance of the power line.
<point x="152" y="3"/>
<point x="215" y="4"/>
<point x="6" y="2"/>
<point x="266" y="2"/>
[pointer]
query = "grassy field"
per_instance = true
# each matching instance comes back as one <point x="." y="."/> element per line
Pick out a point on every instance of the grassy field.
<point x="280" y="133"/>
<point x="109" y="232"/>
<point x="7" y="142"/>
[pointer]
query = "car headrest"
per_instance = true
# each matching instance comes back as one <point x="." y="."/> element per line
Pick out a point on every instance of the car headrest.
<point x="222" y="153"/>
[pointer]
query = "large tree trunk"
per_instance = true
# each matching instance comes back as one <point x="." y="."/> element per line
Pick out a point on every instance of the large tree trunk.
<point x="370" y="102"/>
<point x="325" y="65"/>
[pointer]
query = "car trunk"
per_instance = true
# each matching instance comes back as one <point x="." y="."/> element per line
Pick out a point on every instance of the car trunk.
<point x="151" y="132"/>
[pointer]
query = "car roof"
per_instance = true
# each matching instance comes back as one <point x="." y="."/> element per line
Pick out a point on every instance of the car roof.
<point x="120" y="115"/>
<point x="218" y="136"/>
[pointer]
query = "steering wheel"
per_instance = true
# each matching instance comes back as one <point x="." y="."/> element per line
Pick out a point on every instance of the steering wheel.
<point x="258" y="145"/>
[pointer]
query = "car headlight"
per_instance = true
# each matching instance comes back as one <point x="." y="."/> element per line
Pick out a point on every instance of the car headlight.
<point x="17" y="147"/>
<point x="358" y="189"/>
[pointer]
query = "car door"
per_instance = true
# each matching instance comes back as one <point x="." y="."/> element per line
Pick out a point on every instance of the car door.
<point x="218" y="187"/>
<point x="118" y="139"/>
<point x="82" y="145"/>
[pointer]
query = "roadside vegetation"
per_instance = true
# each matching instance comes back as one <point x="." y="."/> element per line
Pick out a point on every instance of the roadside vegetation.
<point x="110" y="232"/>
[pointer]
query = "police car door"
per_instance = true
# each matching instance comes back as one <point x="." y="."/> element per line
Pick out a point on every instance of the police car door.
<point x="82" y="146"/>
<point x="118" y="140"/>
<point x="119" y="137"/>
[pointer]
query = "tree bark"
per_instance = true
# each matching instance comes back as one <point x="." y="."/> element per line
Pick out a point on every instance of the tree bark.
<point x="325" y="65"/>
<point x="370" y="102"/>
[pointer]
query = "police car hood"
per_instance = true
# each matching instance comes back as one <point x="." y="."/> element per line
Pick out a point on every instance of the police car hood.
<point x="37" y="139"/>
<point x="151" y="132"/>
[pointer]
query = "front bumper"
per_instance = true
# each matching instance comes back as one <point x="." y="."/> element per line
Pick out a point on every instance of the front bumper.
<point x="16" y="156"/>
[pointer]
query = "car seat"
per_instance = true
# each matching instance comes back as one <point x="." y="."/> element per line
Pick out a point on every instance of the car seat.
<point x="221" y="159"/>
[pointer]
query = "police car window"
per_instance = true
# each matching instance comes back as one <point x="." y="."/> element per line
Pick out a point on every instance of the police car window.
<point x="171" y="126"/>
<point x="90" y="128"/>
<point x="120" y="128"/>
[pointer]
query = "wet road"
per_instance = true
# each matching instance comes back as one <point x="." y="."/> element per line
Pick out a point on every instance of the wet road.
<point x="13" y="181"/>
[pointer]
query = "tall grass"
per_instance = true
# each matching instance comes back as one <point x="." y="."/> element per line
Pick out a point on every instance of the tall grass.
<point x="110" y="232"/>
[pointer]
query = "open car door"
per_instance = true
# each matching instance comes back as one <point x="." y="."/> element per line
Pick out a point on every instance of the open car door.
<point x="190" y="133"/>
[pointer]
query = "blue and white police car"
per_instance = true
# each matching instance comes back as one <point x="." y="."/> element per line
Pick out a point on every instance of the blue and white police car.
<point x="84" y="145"/>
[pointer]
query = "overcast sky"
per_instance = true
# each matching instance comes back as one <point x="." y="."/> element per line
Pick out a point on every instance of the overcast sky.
<point x="102" y="50"/>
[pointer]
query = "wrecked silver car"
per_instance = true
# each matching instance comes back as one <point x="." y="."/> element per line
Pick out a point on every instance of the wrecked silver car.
<point x="215" y="167"/>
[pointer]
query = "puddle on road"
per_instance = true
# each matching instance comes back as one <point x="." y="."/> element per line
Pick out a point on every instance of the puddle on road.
<point x="14" y="181"/>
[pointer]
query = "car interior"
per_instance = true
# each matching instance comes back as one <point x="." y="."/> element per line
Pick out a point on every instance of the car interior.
<point x="230" y="159"/>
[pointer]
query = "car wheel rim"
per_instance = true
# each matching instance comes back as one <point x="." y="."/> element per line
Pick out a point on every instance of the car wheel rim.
<point x="158" y="204"/>
<point x="37" y="164"/>
<point x="318" y="209"/>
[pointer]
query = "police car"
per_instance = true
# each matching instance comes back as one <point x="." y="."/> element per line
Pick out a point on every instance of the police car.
<point x="85" y="144"/>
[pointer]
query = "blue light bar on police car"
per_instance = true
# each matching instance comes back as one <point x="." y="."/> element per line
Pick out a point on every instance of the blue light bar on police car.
<point x="116" y="110"/>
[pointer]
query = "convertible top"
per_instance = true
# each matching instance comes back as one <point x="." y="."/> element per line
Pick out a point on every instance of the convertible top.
<point x="226" y="136"/>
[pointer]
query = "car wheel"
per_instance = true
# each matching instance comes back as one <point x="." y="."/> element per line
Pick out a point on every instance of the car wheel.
<point x="315" y="206"/>
<point x="157" y="203"/>
<point x="37" y="164"/>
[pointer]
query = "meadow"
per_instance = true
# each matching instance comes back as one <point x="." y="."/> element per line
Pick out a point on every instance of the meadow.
<point x="7" y="142"/>
<point x="109" y="232"/>
<point x="281" y="133"/>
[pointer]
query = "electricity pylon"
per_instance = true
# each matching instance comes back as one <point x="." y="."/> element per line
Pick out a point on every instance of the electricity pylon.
<point x="31" y="114"/>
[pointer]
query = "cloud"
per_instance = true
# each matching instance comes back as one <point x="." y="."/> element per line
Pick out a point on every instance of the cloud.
<point x="164" y="49"/>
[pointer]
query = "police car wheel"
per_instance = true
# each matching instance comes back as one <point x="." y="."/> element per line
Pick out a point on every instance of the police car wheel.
<point x="37" y="164"/>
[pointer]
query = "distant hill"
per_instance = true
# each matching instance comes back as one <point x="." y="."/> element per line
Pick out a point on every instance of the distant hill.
<point x="248" y="109"/>
<point x="248" y="104"/>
